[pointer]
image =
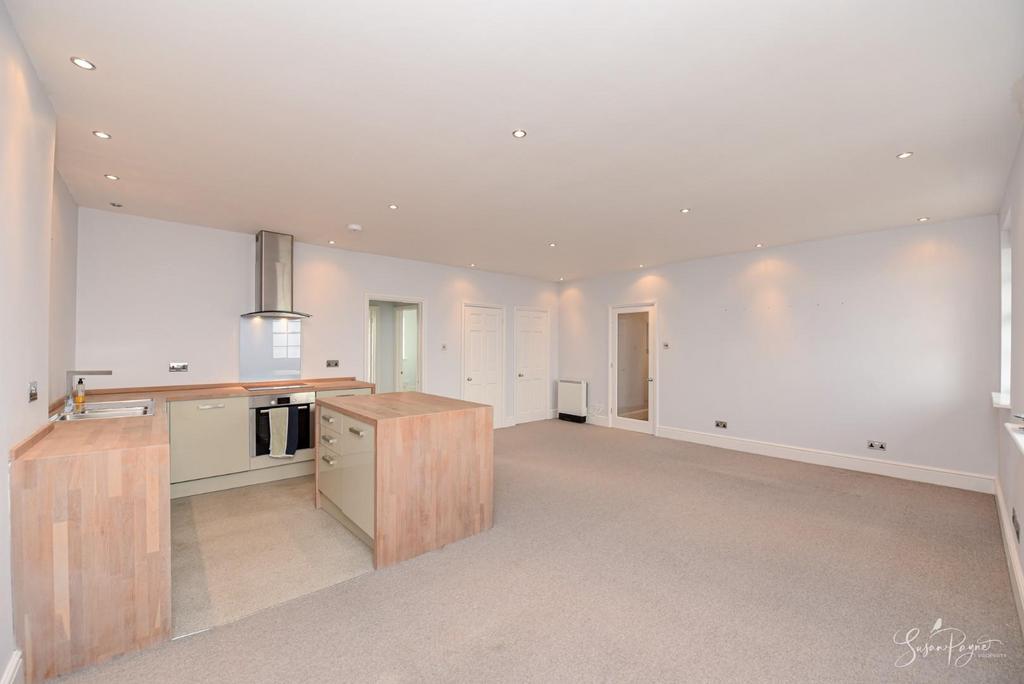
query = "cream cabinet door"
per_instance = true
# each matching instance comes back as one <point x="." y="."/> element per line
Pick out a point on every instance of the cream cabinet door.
<point x="208" y="437"/>
<point x="357" y="474"/>
<point x="342" y="393"/>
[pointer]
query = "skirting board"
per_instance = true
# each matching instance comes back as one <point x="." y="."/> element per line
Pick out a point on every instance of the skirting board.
<point x="243" y="479"/>
<point x="13" y="673"/>
<point x="1012" y="556"/>
<point x="939" y="476"/>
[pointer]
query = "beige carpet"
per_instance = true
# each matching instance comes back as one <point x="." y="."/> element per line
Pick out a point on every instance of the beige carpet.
<point x="242" y="550"/>
<point x="617" y="556"/>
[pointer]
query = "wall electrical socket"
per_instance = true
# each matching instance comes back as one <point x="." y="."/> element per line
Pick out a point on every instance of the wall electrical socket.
<point x="724" y="425"/>
<point x="332" y="363"/>
<point x="33" y="391"/>
<point x="879" y="446"/>
<point x="177" y="367"/>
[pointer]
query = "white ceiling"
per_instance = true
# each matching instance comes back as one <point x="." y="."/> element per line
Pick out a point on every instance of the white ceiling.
<point x="775" y="121"/>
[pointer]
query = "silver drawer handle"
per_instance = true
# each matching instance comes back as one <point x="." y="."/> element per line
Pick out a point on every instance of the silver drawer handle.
<point x="357" y="432"/>
<point x="207" y="407"/>
<point x="328" y="440"/>
<point x="327" y="419"/>
<point x="329" y="460"/>
<point x="469" y="379"/>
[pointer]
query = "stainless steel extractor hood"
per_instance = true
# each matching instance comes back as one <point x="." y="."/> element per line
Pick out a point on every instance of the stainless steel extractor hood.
<point x="274" y="276"/>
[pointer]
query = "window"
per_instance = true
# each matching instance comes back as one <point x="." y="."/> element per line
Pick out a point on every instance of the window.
<point x="287" y="339"/>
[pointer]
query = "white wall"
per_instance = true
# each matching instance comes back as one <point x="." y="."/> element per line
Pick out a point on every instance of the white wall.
<point x="1011" y="461"/>
<point x="824" y="345"/>
<point x="150" y="292"/>
<point x="27" y="128"/>
<point x="63" y="293"/>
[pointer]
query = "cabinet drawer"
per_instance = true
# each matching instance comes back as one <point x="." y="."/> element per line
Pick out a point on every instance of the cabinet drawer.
<point x="331" y="421"/>
<point x="208" y="437"/>
<point x="329" y="474"/>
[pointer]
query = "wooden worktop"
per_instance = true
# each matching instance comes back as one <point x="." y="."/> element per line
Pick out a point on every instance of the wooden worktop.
<point x="91" y="530"/>
<point x="378" y="407"/>
<point x="70" y="438"/>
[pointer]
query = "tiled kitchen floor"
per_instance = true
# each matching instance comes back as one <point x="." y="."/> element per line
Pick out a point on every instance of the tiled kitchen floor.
<point x="241" y="550"/>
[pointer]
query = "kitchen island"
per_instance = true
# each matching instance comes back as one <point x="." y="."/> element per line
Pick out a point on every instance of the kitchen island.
<point x="406" y="472"/>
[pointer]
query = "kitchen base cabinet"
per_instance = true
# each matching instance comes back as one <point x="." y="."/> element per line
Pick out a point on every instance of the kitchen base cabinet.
<point x="346" y="468"/>
<point x="412" y="471"/>
<point x="208" y="437"/>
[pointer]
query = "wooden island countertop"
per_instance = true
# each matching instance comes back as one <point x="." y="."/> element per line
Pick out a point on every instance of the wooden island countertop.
<point x="431" y="479"/>
<point x="377" y="407"/>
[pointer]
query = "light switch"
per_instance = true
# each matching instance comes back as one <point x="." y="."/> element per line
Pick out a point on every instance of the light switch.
<point x="33" y="391"/>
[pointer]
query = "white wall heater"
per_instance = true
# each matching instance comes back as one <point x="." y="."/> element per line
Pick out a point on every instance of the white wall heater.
<point x="572" y="400"/>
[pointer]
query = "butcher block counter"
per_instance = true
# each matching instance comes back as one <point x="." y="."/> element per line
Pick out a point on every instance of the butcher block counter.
<point x="90" y="529"/>
<point x="406" y="472"/>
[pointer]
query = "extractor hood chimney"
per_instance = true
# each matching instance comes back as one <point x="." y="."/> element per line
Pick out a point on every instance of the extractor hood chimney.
<point x="274" y="276"/>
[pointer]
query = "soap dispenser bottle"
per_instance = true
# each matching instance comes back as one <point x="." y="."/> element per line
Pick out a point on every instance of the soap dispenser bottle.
<point x="80" y="395"/>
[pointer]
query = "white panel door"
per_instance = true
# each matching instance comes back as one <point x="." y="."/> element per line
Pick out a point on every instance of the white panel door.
<point x="533" y="382"/>
<point x="482" y="355"/>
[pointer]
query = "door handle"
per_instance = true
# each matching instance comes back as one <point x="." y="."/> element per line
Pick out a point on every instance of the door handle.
<point x="329" y="460"/>
<point x="521" y="375"/>
<point x="650" y="379"/>
<point x="356" y="431"/>
<point x="207" y="407"/>
<point x="469" y="379"/>
<point x="328" y="440"/>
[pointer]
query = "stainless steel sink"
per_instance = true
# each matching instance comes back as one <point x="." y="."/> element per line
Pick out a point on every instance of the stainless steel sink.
<point x="110" y="409"/>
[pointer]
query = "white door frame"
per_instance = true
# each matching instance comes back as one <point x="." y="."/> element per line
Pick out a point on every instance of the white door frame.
<point x="499" y="410"/>
<point x="547" y="360"/>
<point x="650" y="425"/>
<point x="422" y="303"/>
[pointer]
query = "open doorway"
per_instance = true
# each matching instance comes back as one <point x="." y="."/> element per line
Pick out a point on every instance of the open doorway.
<point x="632" y="368"/>
<point x="394" y="344"/>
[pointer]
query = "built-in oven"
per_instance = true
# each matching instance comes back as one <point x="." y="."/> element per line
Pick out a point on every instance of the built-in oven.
<point x="301" y="417"/>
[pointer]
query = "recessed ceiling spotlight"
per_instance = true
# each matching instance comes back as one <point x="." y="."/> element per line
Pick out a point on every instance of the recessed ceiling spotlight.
<point x="355" y="227"/>
<point x="110" y="176"/>
<point x="102" y="135"/>
<point x="330" y="242"/>
<point x="923" y="219"/>
<point x="472" y="265"/>
<point x="552" y="244"/>
<point x="82" y="63"/>
<point x="759" y="245"/>
<point x="519" y="133"/>
<point x="561" y="278"/>
<point x="392" y="206"/>
<point x="904" y="155"/>
<point x="684" y="211"/>
<point x="641" y="265"/>
<point x="116" y="205"/>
